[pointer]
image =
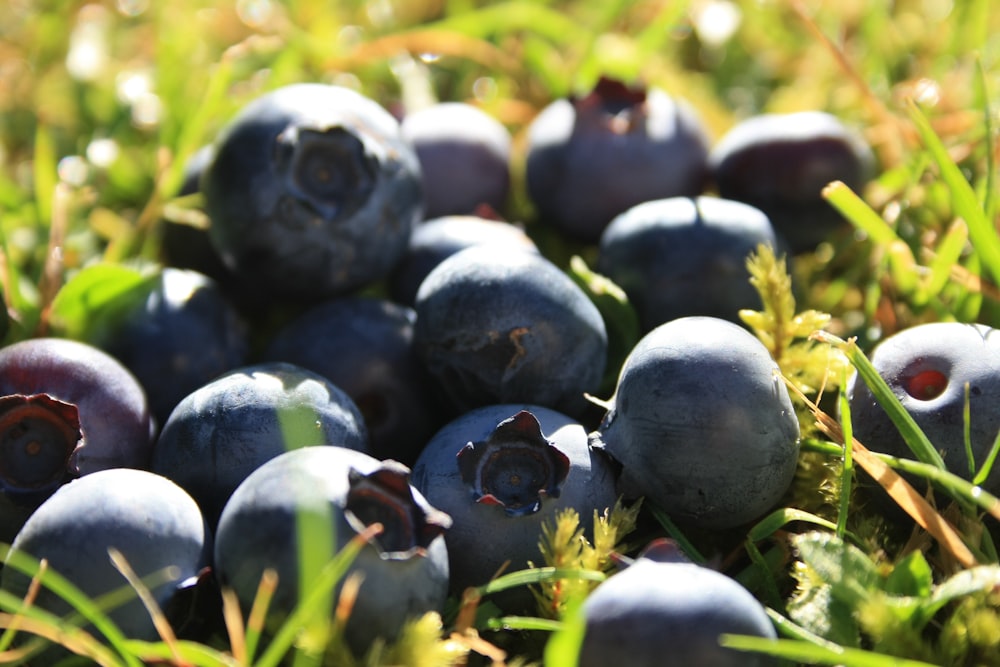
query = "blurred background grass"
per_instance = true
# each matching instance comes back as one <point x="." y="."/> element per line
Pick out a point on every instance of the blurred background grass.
<point x="101" y="104"/>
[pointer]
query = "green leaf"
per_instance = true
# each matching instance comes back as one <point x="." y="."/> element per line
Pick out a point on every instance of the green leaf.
<point x="93" y="303"/>
<point x="911" y="576"/>
<point x="850" y="573"/>
<point x="983" y="234"/>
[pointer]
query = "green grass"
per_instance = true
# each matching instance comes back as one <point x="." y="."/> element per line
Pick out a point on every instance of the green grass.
<point x="101" y="104"/>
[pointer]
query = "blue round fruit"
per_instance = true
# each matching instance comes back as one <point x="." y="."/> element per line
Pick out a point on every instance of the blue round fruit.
<point x="702" y="424"/>
<point x="670" y="613"/>
<point x="312" y="192"/>
<point x="501" y="472"/>
<point x="685" y="256"/>
<point x="499" y="327"/>
<point x="317" y="499"/>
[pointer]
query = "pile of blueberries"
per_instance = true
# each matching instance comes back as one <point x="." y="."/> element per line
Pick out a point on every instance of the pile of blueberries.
<point x="418" y="362"/>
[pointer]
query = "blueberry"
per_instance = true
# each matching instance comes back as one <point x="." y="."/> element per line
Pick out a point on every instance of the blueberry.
<point x="434" y="240"/>
<point x="702" y="423"/>
<point x="780" y="163"/>
<point x="405" y="568"/>
<point x="183" y="334"/>
<point x="501" y="472"/>
<point x="364" y="345"/>
<point x="223" y="431"/>
<point x="109" y="403"/>
<point x="464" y="155"/>
<point x="656" y="614"/>
<point x="312" y="192"/>
<point x="927" y="367"/>
<point x="156" y="526"/>
<point x="685" y="256"/>
<point x="499" y="327"/>
<point x="590" y="158"/>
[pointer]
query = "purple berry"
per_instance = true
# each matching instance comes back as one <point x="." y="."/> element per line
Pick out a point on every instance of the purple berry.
<point x="464" y="154"/>
<point x="590" y="158"/>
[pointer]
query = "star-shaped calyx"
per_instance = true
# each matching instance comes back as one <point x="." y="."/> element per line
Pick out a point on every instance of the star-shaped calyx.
<point x="385" y="496"/>
<point x="39" y="436"/>
<point x="515" y="467"/>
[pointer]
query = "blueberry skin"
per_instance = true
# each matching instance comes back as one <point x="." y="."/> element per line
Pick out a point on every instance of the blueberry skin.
<point x="312" y="192"/>
<point x="500" y="327"/>
<point x="780" y="163"/>
<point x="464" y="156"/>
<point x="685" y="256"/>
<point x="702" y="424"/>
<point x="184" y="334"/>
<point x="364" y="345"/>
<point x="590" y="158"/>
<point x="437" y="239"/>
<point x="405" y="570"/>
<point x="485" y="534"/>
<point x="153" y="522"/>
<point x="223" y="431"/>
<point x="113" y="410"/>
<point x="657" y="614"/>
<point x="927" y="366"/>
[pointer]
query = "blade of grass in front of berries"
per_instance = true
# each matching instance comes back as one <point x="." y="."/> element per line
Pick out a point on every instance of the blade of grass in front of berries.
<point x="944" y="260"/>
<point x="915" y="438"/>
<point x="182" y="652"/>
<point x="988" y="463"/>
<point x="44" y="172"/>
<point x="859" y="213"/>
<point x="988" y="183"/>
<point x="847" y="473"/>
<point x="965" y="203"/>
<point x="780" y="518"/>
<point x="537" y="575"/>
<point x="523" y="623"/>
<point x="957" y="487"/>
<point x="49" y="629"/>
<point x="674" y="532"/>
<point x="562" y="649"/>
<point x="85" y="609"/>
<point x="315" y="603"/>
<point x="812" y="654"/>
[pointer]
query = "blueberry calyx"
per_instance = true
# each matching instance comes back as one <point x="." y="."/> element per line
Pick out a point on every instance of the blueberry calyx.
<point x="39" y="436"/>
<point x="329" y="170"/>
<point x="613" y="105"/>
<point x="514" y="467"/>
<point x="385" y="496"/>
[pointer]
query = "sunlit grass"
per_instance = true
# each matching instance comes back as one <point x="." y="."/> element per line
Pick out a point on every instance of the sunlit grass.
<point x="102" y="104"/>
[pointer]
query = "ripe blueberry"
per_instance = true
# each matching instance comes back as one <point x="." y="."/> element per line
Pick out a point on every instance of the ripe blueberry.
<point x="501" y="471"/>
<point x="464" y="155"/>
<point x="780" y="163"/>
<point x="684" y="256"/>
<point x="590" y="158"/>
<point x="405" y="568"/>
<point x="154" y="523"/>
<point x="434" y="240"/>
<point x="702" y="423"/>
<point x="312" y="191"/>
<point x="364" y="345"/>
<point x="497" y="327"/>
<point x="660" y="614"/>
<point x="927" y="367"/>
<point x="224" y="430"/>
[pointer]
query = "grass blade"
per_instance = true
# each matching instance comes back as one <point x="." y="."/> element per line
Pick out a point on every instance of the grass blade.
<point x="915" y="438"/>
<point x="965" y="203"/>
